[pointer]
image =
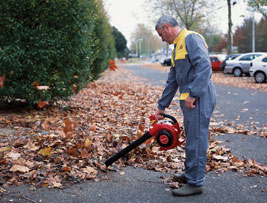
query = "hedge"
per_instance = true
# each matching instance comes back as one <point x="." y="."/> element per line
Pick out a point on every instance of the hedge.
<point x="50" y="49"/>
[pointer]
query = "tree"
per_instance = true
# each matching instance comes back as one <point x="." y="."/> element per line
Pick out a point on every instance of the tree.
<point x="120" y="43"/>
<point x="189" y="13"/>
<point x="145" y="40"/>
<point x="222" y="44"/>
<point x="213" y="40"/>
<point x="259" y="5"/>
<point x="261" y="33"/>
<point x="242" y="36"/>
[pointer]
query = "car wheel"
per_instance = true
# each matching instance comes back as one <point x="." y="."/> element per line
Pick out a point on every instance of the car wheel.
<point x="260" y="77"/>
<point x="237" y="72"/>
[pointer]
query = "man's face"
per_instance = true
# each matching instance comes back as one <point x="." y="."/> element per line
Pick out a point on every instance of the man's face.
<point x="164" y="34"/>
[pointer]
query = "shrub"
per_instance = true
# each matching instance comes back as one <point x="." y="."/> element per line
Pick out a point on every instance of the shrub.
<point x="48" y="43"/>
<point x="106" y="44"/>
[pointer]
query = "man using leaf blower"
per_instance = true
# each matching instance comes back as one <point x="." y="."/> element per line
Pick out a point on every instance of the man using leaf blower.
<point x="190" y="72"/>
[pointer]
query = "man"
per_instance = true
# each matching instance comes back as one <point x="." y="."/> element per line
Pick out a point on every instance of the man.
<point x="191" y="73"/>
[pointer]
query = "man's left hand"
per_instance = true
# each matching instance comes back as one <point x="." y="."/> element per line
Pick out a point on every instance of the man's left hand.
<point x="189" y="102"/>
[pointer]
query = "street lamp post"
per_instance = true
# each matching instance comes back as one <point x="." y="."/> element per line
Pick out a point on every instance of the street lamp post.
<point x="140" y="48"/>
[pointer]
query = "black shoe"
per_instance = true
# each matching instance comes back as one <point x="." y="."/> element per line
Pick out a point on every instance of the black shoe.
<point x="187" y="190"/>
<point x="179" y="178"/>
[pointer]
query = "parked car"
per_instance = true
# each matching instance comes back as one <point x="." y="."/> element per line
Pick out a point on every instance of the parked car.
<point x="241" y="64"/>
<point x="166" y="62"/>
<point x="216" y="61"/>
<point x="229" y="57"/>
<point x="258" y="69"/>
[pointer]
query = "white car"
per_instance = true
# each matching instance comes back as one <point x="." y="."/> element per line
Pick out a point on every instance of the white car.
<point x="258" y="69"/>
<point x="241" y="64"/>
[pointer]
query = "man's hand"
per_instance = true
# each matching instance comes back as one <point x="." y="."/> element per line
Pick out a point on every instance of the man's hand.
<point x="189" y="102"/>
<point x="157" y="114"/>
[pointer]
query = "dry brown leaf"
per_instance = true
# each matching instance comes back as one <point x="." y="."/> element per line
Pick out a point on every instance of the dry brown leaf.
<point x="19" y="168"/>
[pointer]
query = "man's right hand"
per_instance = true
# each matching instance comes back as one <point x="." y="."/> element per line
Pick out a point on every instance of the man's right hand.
<point x="158" y="114"/>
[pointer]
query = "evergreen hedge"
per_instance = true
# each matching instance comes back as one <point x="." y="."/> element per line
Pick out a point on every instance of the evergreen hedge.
<point x="53" y="43"/>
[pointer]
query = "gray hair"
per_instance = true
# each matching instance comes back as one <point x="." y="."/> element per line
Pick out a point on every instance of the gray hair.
<point x="164" y="19"/>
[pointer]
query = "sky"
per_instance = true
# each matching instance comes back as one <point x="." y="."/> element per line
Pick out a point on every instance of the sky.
<point x="126" y="14"/>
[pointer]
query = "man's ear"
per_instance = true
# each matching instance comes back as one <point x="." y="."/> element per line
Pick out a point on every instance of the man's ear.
<point x="167" y="27"/>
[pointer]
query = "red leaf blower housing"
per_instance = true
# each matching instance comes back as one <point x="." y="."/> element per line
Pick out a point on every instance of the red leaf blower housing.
<point x="166" y="133"/>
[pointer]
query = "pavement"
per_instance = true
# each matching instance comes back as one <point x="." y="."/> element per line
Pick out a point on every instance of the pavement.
<point x="136" y="185"/>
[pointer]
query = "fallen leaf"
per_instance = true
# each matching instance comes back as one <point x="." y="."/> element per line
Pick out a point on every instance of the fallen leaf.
<point x="13" y="155"/>
<point x="19" y="168"/>
<point x="46" y="151"/>
<point x="90" y="171"/>
<point x="87" y="142"/>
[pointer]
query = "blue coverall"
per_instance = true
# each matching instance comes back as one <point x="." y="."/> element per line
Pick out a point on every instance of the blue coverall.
<point x="191" y="72"/>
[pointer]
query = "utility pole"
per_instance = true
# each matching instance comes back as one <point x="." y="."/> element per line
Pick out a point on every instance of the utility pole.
<point x="253" y="27"/>
<point x="230" y="24"/>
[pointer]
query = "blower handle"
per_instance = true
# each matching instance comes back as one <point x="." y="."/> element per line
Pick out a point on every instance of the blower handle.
<point x="170" y="117"/>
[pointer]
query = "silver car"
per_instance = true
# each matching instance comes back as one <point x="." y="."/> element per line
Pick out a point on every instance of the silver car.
<point x="241" y="64"/>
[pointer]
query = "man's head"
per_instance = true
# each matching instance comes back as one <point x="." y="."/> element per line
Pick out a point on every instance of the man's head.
<point x="167" y="28"/>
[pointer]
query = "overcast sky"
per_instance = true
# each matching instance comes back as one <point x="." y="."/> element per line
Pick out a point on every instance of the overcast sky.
<point x="126" y="14"/>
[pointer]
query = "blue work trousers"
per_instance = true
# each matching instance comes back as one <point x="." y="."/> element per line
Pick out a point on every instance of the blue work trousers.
<point x="196" y="124"/>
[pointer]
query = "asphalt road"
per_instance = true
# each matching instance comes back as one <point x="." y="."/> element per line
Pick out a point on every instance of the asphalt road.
<point x="135" y="185"/>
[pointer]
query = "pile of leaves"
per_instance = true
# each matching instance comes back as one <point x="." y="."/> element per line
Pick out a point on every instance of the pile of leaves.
<point x="65" y="144"/>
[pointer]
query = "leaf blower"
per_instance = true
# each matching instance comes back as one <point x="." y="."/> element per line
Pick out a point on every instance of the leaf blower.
<point x="166" y="133"/>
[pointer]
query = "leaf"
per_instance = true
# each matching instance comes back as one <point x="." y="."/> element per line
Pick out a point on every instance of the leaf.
<point x="13" y="155"/>
<point x="93" y="127"/>
<point x="139" y="134"/>
<point x="73" y="151"/>
<point x="91" y="172"/>
<point x="46" y="151"/>
<point x="219" y="157"/>
<point x="68" y="128"/>
<point x="112" y="65"/>
<point x="54" y="182"/>
<point x="3" y="149"/>
<point x="84" y="154"/>
<point x="148" y="142"/>
<point x="41" y="104"/>
<point x="66" y="168"/>
<point x="141" y="127"/>
<point x="36" y="84"/>
<point x="87" y="142"/>
<point x="2" y="80"/>
<point x="19" y="168"/>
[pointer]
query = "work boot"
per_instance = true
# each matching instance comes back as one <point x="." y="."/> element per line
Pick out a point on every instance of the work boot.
<point x="179" y="178"/>
<point x="187" y="190"/>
